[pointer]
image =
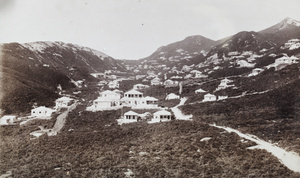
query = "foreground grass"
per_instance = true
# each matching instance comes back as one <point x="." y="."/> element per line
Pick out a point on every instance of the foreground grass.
<point x="93" y="145"/>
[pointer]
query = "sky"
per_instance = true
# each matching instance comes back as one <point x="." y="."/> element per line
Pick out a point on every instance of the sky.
<point x="134" y="29"/>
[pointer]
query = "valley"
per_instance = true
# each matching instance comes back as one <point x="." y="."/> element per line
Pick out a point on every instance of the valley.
<point x="187" y="110"/>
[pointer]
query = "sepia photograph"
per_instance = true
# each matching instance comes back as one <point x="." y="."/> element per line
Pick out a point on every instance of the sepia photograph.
<point x="149" y="88"/>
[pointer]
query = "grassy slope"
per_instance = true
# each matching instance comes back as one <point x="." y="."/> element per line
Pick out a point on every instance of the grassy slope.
<point x="272" y="116"/>
<point x="24" y="85"/>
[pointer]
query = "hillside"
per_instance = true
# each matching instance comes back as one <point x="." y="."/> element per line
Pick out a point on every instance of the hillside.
<point x="180" y="51"/>
<point x="32" y="72"/>
<point x="233" y="55"/>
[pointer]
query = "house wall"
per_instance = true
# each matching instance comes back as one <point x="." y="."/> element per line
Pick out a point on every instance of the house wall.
<point x="210" y="98"/>
<point x="105" y="104"/>
<point x="131" y="117"/>
<point x="61" y="104"/>
<point x="41" y="112"/>
<point x="157" y="116"/>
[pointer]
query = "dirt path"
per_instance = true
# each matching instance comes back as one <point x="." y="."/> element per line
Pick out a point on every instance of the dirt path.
<point x="177" y="112"/>
<point x="61" y="120"/>
<point x="290" y="159"/>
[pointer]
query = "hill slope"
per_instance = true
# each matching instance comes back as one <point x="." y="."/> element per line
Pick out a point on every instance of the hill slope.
<point x="283" y="31"/>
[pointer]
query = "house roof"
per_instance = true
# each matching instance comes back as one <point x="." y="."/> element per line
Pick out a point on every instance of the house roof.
<point x="118" y="91"/>
<point x="209" y="95"/>
<point x="8" y="117"/>
<point x="227" y="80"/>
<point x="172" y="95"/>
<point x="200" y="91"/>
<point x="104" y="99"/>
<point x="139" y="84"/>
<point x="113" y="82"/>
<point x="64" y="98"/>
<point x="131" y="113"/>
<point x="109" y="92"/>
<point x="150" y="98"/>
<point x="43" y="108"/>
<point x="162" y="112"/>
<point x="195" y="71"/>
<point x="133" y="92"/>
<point x="156" y="79"/>
<point x="293" y="57"/>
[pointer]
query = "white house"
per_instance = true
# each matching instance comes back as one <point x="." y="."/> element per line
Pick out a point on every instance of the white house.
<point x="172" y="96"/>
<point x="110" y="94"/>
<point x="156" y="81"/>
<point x="102" y="83"/>
<point x="186" y="68"/>
<point x="104" y="104"/>
<point x="133" y="94"/>
<point x="171" y="83"/>
<point x="224" y="84"/>
<point x="63" y="102"/>
<point x="133" y="97"/>
<point x="287" y="60"/>
<point x="151" y="101"/>
<point x="188" y="76"/>
<point x="137" y="77"/>
<point x="42" y="111"/>
<point x="113" y="84"/>
<point x="176" y="77"/>
<point x="197" y="74"/>
<point x="136" y="99"/>
<point x="118" y="92"/>
<point x="98" y="75"/>
<point x="293" y="43"/>
<point x="107" y="100"/>
<point x="162" y="115"/>
<point x="222" y="97"/>
<point x="7" y="120"/>
<point x="131" y="115"/>
<point x="255" y="72"/>
<point x="140" y="86"/>
<point x="113" y="77"/>
<point x="209" y="97"/>
<point x="283" y="61"/>
<point x="200" y="91"/>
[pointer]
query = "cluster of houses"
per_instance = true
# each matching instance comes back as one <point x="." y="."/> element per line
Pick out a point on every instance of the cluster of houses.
<point x="210" y="97"/>
<point x="110" y="100"/>
<point x="225" y="83"/>
<point x="133" y="99"/>
<point x="43" y="111"/>
<point x="292" y="44"/>
<point x="158" y="116"/>
<point x="283" y="61"/>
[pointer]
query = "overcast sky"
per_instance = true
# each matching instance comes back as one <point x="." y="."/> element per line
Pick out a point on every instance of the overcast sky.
<point x="133" y="29"/>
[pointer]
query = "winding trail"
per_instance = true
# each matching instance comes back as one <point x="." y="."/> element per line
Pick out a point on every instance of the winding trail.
<point x="177" y="112"/>
<point x="290" y="159"/>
